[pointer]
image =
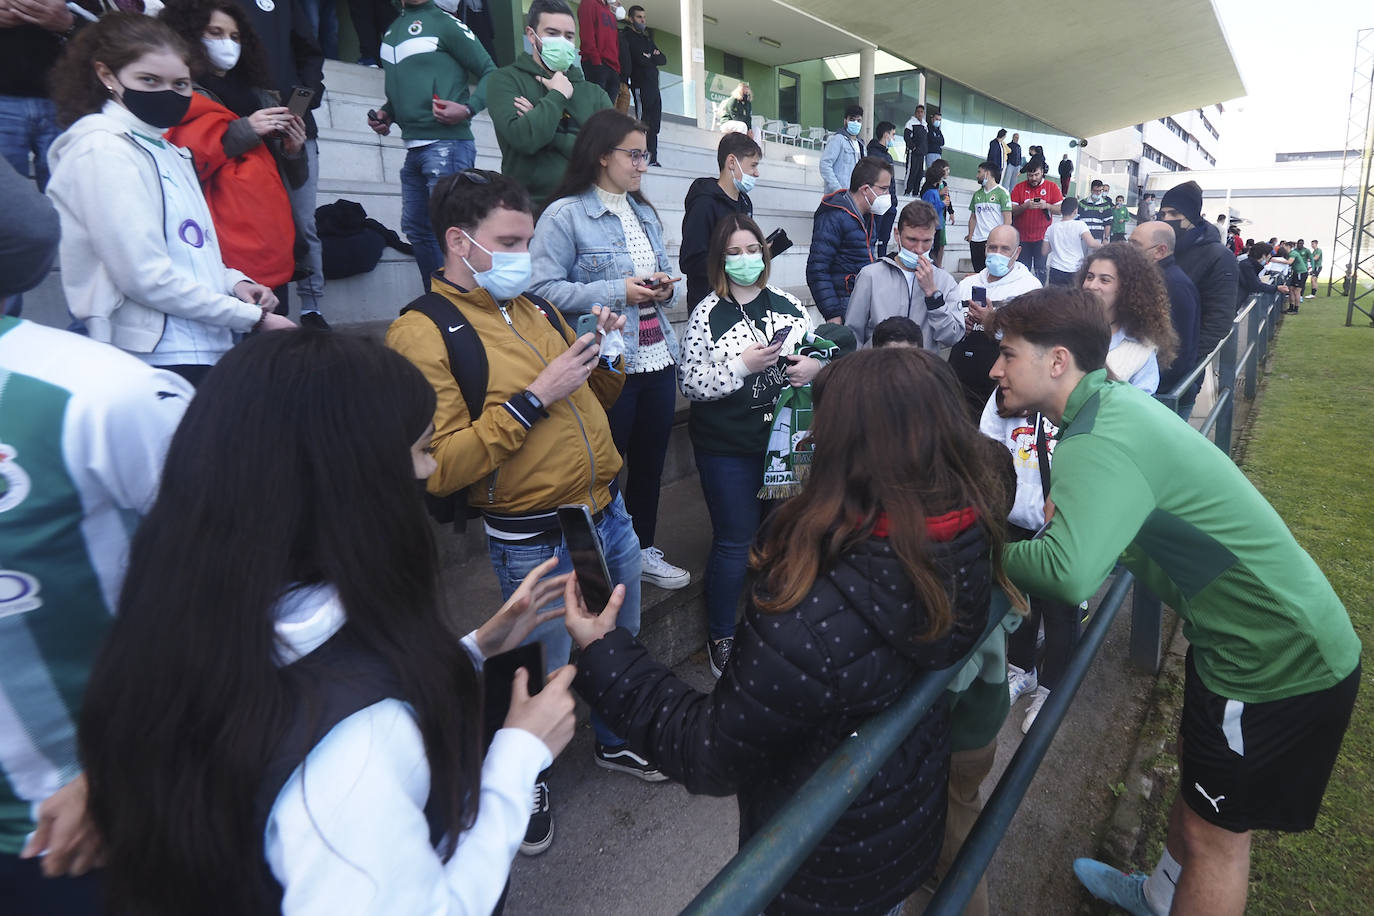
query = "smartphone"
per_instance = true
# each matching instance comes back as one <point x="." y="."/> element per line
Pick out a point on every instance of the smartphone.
<point x="299" y="103"/>
<point x="980" y="295"/>
<point x="778" y="337"/>
<point x="584" y="549"/>
<point x="586" y="324"/>
<point x="497" y="673"/>
<point x="777" y="242"/>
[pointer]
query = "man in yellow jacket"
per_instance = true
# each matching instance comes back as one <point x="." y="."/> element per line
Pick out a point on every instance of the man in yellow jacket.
<point x="541" y="438"/>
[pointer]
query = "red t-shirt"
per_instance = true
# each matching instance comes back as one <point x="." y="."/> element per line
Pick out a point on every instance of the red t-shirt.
<point x="1033" y="223"/>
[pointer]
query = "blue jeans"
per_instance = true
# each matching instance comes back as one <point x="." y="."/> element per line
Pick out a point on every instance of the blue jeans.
<point x="309" y="288"/>
<point x="323" y="19"/>
<point x="27" y="127"/>
<point x="423" y="168"/>
<point x="730" y="484"/>
<point x="513" y="561"/>
<point x="1034" y="257"/>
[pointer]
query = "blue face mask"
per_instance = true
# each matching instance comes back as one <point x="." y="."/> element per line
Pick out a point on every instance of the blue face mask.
<point x="998" y="265"/>
<point x="745" y="182"/>
<point x="853" y="127"/>
<point x="910" y="259"/>
<point x="509" y="275"/>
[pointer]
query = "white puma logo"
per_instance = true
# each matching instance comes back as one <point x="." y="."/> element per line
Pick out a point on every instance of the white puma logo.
<point x="456" y="328"/>
<point x="1214" y="801"/>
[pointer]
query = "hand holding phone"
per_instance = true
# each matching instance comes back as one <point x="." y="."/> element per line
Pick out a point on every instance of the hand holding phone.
<point x="586" y="324"/>
<point x="498" y="672"/>
<point x="299" y="103"/>
<point x="588" y="560"/>
<point x="779" y="336"/>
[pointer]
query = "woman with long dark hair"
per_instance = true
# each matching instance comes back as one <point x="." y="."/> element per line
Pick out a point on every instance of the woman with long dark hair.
<point x="1131" y="290"/>
<point x="735" y="362"/>
<point x="880" y="570"/>
<point x="935" y="193"/>
<point x="600" y="242"/>
<point x="248" y="148"/>
<point x="141" y="262"/>
<point x="281" y="718"/>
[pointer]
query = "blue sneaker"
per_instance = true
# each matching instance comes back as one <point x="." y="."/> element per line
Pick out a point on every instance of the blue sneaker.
<point x="1122" y="890"/>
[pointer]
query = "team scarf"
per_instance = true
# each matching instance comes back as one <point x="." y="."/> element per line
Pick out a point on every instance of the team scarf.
<point x="787" y="463"/>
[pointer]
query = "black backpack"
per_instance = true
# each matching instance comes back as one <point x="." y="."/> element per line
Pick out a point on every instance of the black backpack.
<point x="467" y="358"/>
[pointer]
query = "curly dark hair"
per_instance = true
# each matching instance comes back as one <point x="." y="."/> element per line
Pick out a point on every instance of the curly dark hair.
<point x="1142" y="300"/>
<point x="190" y="18"/>
<point x="116" y="41"/>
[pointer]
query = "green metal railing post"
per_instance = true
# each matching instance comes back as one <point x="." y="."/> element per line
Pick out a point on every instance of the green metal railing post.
<point x="979" y="846"/>
<point x="1147" y="629"/>
<point x="1253" y="335"/>
<point x="1227" y="385"/>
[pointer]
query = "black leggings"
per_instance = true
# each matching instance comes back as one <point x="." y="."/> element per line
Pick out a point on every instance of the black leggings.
<point x="1061" y="637"/>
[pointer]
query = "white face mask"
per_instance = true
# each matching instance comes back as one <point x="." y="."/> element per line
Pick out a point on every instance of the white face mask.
<point x="223" y="52"/>
<point x="620" y="12"/>
<point x="881" y="204"/>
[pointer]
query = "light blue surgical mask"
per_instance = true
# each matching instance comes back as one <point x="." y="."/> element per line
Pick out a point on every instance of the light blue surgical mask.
<point x="998" y="265"/>
<point x="853" y="127"/>
<point x="509" y="275"/>
<point x="910" y="259"/>
<point x="745" y="182"/>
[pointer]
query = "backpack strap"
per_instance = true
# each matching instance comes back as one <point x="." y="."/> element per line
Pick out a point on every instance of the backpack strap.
<point x="554" y="316"/>
<point x="467" y="358"/>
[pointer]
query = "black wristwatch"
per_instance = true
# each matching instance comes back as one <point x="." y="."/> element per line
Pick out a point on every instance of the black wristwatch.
<point x="534" y="401"/>
<point x="935" y="300"/>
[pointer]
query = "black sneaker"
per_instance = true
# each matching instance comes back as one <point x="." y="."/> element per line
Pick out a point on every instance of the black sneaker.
<point x="539" y="833"/>
<point x="718" y="651"/>
<point x="626" y="761"/>
<point x="314" y="320"/>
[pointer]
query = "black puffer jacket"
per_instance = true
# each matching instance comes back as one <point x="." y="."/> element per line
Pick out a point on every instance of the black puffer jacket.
<point x="1213" y="269"/>
<point x="797" y="684"/>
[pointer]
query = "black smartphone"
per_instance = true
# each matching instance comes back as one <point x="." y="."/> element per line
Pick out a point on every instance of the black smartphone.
<point x="299" y="103"/>
<point x="584" y="549"/>
<point x="778" y="337"/>
<point x="497" y="673"/>
<point x="980" y="295"/>
<point x="777" y="242"/>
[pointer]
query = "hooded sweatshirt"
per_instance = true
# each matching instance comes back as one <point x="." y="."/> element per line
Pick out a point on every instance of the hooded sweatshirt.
<point x="706" y="205"/>
<point x="536" y="146"/>
<point x="141" y="263"/>
<point x="884" y="289"/>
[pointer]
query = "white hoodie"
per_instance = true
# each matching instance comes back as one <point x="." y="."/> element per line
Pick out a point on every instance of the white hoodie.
<point x="1018" y="280"/>
<point x="141" y="264"/>
<point x="347" y="833"/>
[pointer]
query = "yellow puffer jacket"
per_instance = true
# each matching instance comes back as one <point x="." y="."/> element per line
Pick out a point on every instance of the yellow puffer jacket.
<point x="566" y="457"/>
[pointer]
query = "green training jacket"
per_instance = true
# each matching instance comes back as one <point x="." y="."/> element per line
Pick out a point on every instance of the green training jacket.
<point x="426" y="52"/>
<point x="1131" y="477"/>
<point x="536" y="146"/>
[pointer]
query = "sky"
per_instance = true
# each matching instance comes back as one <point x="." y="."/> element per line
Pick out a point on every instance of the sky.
<point x="1300" y="89"/>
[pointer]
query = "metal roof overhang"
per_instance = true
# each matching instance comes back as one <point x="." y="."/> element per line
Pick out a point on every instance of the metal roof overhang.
<point x="1083" y="67"/>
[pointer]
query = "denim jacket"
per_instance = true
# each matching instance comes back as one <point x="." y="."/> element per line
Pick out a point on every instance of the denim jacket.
<point x="580" y="260"/>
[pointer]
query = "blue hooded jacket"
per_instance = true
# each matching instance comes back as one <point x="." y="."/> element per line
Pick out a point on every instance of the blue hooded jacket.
<point x="842" y="244"/>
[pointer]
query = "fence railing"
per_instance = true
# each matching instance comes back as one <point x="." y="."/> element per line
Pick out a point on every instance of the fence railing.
<point x="761" y="868"/>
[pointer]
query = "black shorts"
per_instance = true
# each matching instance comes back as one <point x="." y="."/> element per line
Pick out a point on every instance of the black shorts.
<point x="1260" y="766"/>
<point x="1302" y="280"/>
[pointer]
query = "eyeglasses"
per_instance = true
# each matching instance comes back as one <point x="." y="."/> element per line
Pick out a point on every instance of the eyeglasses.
<point x="449" y="184"/>
<point x="637" y="156"/>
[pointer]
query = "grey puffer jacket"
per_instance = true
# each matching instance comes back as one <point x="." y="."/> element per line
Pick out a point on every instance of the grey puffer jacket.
<point x="799" y="682"/>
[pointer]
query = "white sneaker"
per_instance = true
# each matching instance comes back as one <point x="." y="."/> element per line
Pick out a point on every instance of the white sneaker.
<point x="658" y="571"/>
<point x="1037" y="700"/>
<point x="1020" y="682"/>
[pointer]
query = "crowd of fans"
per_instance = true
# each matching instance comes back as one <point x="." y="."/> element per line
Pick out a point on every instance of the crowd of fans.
<point x="253" y="701"/>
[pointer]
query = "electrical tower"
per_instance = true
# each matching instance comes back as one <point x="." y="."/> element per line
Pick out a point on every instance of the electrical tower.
<point x="1353" y="242"/>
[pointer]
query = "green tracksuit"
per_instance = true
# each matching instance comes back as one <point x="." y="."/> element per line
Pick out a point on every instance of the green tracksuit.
<point x="426" y="52"/>
<point x="1130" y="476"/>
<point x="536" y="146"/>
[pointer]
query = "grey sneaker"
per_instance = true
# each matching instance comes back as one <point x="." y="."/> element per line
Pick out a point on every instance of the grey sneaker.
<point x="1126" y="891"/>
<point x="1020" y="682"/>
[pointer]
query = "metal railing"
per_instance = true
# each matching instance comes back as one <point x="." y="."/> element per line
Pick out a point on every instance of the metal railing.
<point x="761" y="868"/>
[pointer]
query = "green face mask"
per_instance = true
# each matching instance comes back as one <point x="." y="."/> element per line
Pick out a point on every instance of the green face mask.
<point x="557" y="52"/>
<point x="744" y="269"/>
